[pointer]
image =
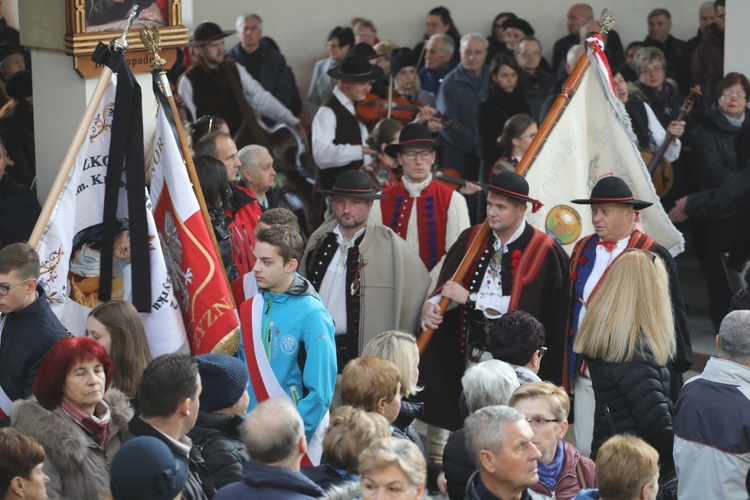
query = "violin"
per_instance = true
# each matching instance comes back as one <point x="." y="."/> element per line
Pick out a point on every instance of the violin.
<point x="450" y="177"/>
<point x="374" y="108"/>
<point x="661" y="171"/>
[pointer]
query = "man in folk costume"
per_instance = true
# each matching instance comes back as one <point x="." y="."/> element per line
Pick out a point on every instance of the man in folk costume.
<point x="217" y="86"/>
<point x="338" y="137"/>
<point x="369" y="278"/>
<point x="517" y="268"/>
<point x="427" y="214"/>
<point x="613" y="211"/>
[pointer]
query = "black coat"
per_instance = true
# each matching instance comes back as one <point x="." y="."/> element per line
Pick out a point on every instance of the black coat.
<point x="402" y="428"/>
<point x="199" y="484"/>
<point x="458" y="464"/>
<point x="19" y="210"/>
<point x="28" y="335"/>
<point x="217" y="436"/>
<point x="633" y="397"/>
<point x="493" y="113"/>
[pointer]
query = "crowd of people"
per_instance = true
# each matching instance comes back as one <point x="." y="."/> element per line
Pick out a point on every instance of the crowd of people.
<point x="338" y="387"/>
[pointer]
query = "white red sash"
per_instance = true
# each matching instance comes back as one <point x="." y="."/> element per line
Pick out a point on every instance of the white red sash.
<point x="262" y="378"/>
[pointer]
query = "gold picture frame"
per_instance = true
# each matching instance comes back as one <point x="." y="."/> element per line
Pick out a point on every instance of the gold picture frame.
<point x="89" y="22"/>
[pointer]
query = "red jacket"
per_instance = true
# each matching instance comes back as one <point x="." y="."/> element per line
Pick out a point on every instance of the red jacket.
<point x="568" y="483"/>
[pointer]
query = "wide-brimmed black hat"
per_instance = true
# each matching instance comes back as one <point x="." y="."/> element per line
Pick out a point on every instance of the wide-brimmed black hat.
<point x="402" y="58"/>
<point x="364" y="49"/>
<point x="355" y="68"/>
<point x="512" y="185"/>
<point x="414" y="135"/>
<point x="612" y="190"/>
<point x="19" y="85"/>
<point x="207" y="32"/>
<point x="353" y="183"/>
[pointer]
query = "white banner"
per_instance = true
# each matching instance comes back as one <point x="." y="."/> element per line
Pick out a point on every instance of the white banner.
<point x="592" y="139"/>
<point x="69" y="247"/>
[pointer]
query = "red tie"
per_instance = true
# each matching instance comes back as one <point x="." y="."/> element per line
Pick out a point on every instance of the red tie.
<point x="608" y="245"/>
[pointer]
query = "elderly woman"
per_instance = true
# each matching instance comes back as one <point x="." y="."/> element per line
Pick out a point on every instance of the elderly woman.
<point x="653" y="87"/>
<point x="118" y="328"/>
<point x="627" y="338"/>
<point x="392" y="468"/>
<point x="350" y="431"/>
<point x="80" y="423"/>
<point x="563" y="472"/>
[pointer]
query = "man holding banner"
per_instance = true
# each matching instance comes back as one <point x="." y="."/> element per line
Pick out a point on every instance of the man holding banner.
<point x="614" y="210"/>
<point x="517" y="268"/>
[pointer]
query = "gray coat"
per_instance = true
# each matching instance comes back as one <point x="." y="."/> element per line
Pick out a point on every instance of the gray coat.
<point x="321" y="85"/>
<point x="77" y="467"/>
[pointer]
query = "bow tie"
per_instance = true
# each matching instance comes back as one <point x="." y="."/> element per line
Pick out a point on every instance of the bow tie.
<point x="608" y="245"/>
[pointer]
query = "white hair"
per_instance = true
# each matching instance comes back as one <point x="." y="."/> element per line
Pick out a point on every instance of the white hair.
<point x="448" y="46"/>
<point x="473" y="36"/>
<point x="484" y="429"/>
<point x="734" y="336"/>
<point x="248" y="155"/>
<point x="574" y="53"/>
<point x="488" y="383"/>
<point x="240" y="22"/>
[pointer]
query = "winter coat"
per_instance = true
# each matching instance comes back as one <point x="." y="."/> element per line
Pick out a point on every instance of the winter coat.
<point x="402" y="428"/>
<point x="633" y="397"/>
<point x="327" y="477"/>
<point x="19" y="210"/>
<point x="344" y="491"/>
<point x="27" y="336"/>
<point x="568" y="482"/>
<point x="477" y="491"/>
<point x="269" y="483"/>
<point x="493" y="113"/>
<point x="77" y="467"/>
<point x="218" y="438"/>
<point x="199" y="484"/>
<point x="458" y="464"/>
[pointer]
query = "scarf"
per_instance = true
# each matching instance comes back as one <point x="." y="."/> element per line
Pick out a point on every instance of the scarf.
<point x="548" y="473"/>
<point x="659" y="99"/>
<point x="96" y="427"/>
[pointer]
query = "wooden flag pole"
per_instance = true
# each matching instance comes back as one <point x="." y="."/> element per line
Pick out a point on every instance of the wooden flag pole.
<point x="569" y="88"/>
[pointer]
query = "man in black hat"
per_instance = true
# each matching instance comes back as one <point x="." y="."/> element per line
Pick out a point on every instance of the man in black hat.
<point x="517" y="268"/>
<point x="369" y="278"/>
<point x="613" y="211"/>
<point x="429" y="215"/>
<point x="217" y="86"/>
<point x="338" y="137"/>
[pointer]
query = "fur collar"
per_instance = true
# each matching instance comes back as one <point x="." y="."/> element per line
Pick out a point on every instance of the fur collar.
<point x="65" y="442"/>
<point x="635" y="92"/>
<point x="343" y="491"/>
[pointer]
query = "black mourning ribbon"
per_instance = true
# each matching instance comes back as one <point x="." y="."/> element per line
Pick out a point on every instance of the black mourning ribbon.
<point x="125" y="155"/>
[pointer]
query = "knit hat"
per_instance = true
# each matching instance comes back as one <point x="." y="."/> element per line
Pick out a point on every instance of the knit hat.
<point x="224" y="378"/>
<point x="402" y="58"/>
<point x="146" y="469"/>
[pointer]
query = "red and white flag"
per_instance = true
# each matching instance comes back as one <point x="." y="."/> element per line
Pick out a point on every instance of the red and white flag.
<point x="199" y="283"/>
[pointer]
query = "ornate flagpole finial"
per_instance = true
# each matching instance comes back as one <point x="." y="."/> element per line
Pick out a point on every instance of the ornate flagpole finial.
<point x="606" y="21"/>
<point x="120" y="43"/>
<point x="151" y="39"/>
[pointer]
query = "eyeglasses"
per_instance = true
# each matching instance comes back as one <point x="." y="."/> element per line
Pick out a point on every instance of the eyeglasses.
<point x="539" y="422"/>
<point x="655" y="69"/>
<point x="738" y="95"/>
<point x="366" y="35"/>
<point x="412" y="155"/>
<point x="530" y="53"/>
<point x="542" y="351"/>
<point x="5" y="289"/>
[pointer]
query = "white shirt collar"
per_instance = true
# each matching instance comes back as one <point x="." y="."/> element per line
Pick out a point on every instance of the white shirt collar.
<point x="416" y="188"/>
<point x="337" y="231"/>
<point x="348" y="104"/>
<point x="496" y="245"/>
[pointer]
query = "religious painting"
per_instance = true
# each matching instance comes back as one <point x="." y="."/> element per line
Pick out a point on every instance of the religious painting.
<point x="112" y="15"/>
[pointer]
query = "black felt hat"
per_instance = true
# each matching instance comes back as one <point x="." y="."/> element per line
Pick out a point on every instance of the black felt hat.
<point x="402" y="58"/>
<point x="364" y="49"/>
<point x="355" y="184"/>
<point x="355" y="68"/>
<point x="207" y="32"/>
<point x="414" y="135"/>
<point x="19" y="85"/>
<point x="612" y="190"/>
<point x="512" y="185"/>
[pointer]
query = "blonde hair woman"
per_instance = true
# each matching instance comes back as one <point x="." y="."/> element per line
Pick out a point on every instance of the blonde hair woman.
<point x="394" y="468"/>
<point x="627" y="337"/>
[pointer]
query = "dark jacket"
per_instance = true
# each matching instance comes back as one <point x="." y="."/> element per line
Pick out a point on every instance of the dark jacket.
<point x="493" y="113"/>
<point x="673" y="51"/>
<point x="19" y="210"/>
<point x="199" y="484"/>
<point x="707" y="64"/>
<point x="475" y="490"/>
<point x="458" y="465"/>
<point x="568" y="481"/>
<point x="633" y="397"/>
<point x="270" y="483"/>
<point x="402" y="428"/>
<point x="327" y="477"/>
<point x="27" y="336"/>
<point x="535" y="89"/>
<point x="217" y="436"/>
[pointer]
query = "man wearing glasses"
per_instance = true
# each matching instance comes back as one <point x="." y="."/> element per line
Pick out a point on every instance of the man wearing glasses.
<point x="429" y="215"/>
<point x="28" y="327"/>
<point x="533" y="79"/>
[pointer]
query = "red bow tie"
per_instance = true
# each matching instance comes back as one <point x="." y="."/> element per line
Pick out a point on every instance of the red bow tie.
<point x="608" y="245"/>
